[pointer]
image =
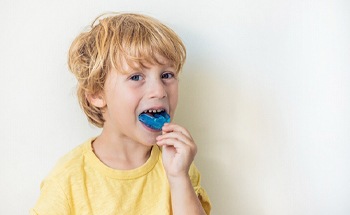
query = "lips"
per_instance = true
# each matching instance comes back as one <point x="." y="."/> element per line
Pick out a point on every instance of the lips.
<point x="154" y="118"/>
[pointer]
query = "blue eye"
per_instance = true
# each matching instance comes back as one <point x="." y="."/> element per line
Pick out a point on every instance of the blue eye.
<point x="136" y="78"/>
<point x="167" y="75"/>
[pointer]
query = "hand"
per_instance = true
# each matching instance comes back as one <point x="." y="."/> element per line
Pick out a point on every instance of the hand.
<point x="178" y="151"/>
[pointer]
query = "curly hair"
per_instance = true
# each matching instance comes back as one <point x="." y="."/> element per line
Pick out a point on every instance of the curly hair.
<point x="113" y="39"/>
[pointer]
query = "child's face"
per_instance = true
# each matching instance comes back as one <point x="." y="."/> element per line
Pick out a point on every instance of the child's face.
<point x="153" y="87"/>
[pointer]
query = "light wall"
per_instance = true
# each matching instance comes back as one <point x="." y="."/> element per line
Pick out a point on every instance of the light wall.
<point x="265" y="93"/>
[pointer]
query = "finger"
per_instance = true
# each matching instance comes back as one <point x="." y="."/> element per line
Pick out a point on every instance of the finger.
<point x="178" y="145"/>
<point x="171" y="127"/>
<point x="176" y="135"/>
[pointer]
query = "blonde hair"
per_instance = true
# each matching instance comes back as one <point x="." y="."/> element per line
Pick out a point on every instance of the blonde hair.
<point x="113" y="39"/>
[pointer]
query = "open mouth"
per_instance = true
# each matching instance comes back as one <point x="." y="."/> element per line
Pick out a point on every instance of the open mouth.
<point x="154" y="119"/>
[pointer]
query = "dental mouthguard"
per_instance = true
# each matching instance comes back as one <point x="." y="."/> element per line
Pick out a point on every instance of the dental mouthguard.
<point x="155" y="121"/>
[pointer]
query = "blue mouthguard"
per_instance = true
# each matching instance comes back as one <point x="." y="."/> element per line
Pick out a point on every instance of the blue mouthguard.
<point x="156" y="121"/>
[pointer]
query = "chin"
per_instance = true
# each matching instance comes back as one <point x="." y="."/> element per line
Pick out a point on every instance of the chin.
<point x="147" y="139"/>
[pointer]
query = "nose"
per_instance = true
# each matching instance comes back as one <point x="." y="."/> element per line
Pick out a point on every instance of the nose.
<point x="157" y="89"/>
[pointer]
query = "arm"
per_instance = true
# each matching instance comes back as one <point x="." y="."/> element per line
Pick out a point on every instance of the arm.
<point x="183" y="198"/>
<point x="52" y="200"/>
<point x="179" y="150"/>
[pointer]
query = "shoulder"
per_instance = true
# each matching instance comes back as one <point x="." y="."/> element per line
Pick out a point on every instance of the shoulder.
<point x="54" y="190"/>
<point x="194" y="175"/>
<point x="71" y="162"/>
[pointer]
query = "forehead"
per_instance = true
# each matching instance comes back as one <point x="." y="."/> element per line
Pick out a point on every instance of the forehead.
<point x="130" y="65"/>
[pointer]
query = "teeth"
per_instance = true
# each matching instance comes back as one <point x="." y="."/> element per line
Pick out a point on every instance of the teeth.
<point x="153" y="111"/>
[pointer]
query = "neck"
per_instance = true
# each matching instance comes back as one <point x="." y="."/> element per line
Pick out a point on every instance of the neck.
<point x="120" y="152"/>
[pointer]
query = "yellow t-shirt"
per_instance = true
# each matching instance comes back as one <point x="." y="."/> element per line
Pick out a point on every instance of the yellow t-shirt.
<point x="81" y="184"/>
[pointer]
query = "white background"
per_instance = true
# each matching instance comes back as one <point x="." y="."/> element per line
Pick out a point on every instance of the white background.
<point x="265" y="93"/>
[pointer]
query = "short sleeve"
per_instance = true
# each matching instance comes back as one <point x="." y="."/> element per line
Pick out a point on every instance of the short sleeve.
<point x="201" y="193"/>
<point x="52" y="200"/>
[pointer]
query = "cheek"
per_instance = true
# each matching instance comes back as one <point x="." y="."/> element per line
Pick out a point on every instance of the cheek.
<point x="174" y="96"/>
<point x="120" y="100"/>
<point x="131" y="99"/>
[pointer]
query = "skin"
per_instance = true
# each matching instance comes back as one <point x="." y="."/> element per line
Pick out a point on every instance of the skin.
<point x="125" y="143"/>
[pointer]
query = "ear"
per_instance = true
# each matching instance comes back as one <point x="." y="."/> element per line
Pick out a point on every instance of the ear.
<point x="97" y="99"/>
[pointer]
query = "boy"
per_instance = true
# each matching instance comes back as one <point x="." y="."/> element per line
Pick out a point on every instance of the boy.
<point x="127" y="68"/>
